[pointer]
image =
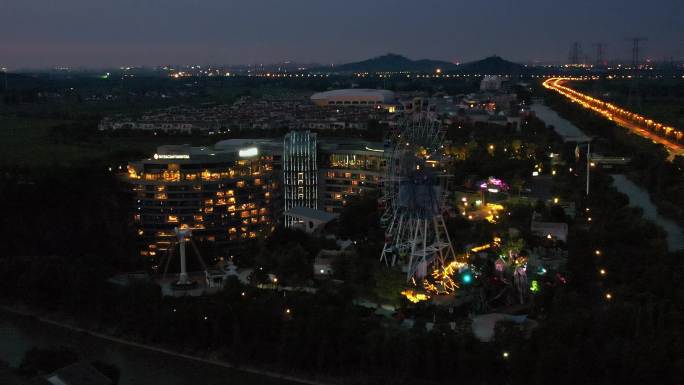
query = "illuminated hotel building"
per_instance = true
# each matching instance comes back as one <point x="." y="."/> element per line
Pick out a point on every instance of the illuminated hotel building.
<point x="300" y="170"/>
<point x="227" y="193"/>
<point x="349" y="168"/>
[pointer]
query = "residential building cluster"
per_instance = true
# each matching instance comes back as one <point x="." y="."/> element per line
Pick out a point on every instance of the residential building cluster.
<point x="268" y="113"/>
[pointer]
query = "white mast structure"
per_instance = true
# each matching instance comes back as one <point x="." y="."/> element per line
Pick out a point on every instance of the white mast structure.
<point x="182" y="234"/>
<point x="416" y="234"/>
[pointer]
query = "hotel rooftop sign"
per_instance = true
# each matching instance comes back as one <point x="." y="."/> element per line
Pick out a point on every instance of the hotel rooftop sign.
<point x="171" y="156"/>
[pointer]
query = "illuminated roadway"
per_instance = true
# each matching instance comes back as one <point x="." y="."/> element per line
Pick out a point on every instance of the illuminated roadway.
<point x="642" y="126"/>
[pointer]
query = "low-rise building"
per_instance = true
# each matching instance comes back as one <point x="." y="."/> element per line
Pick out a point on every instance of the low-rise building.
<point x="349" y="168"/>
<point x="361" y="97"/>
<point x="307" y="219"/>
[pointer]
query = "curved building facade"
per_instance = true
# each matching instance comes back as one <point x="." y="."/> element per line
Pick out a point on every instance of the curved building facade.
<point x="225" y="194"/>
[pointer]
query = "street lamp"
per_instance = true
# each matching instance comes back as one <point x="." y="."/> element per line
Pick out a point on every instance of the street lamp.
<point x="589" y="162"/>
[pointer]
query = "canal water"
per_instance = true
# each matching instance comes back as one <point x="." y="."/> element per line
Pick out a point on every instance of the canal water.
<point x="639" y="197"/>
<point x="568" y="131"/>
<point x="138" y="366"/>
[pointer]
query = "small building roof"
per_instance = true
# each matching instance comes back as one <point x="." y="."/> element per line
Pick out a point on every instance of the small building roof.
<point x="558" y="230"/>
<point x="355" y="93"/>
<point x="309" y="213"/>
<point x="79" y="373"/>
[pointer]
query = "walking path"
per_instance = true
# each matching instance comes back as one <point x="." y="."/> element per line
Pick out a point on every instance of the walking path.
<point x="223" y="364"/>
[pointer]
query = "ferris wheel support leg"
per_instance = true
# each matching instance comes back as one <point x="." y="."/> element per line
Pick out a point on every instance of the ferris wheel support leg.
<point x="411" y="268"/>
<point x="397" y="238"/>
<point x="438" y="241"/>
<point x="425" y="231"/>
<point x="450" y="249"/>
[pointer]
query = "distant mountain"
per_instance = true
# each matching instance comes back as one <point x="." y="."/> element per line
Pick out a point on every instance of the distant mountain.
<point x="396" y="63"/>
<point x="392" y="63"/>
<point x="492" y="65"/>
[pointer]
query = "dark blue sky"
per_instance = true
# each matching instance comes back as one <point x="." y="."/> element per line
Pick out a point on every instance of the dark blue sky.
<point x="40" y="33"/>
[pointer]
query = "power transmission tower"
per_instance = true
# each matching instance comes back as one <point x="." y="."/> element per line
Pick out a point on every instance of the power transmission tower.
<point x="575" y="53"/>
<point x="634" y="99"/>
<point x="600" y="47"/>
<point x="636" y="50"/>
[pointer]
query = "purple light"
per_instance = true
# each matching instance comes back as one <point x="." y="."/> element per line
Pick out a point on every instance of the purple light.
<point x="494" y="182"/>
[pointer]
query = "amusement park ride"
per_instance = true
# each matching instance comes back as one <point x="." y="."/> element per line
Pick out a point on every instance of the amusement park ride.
<point x="183" y="280"/>
<point x="213" y="278"/>
<point x="416" y="237"/>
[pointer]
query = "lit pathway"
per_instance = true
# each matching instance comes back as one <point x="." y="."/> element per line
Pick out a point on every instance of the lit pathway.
<point x="647" y="128"/>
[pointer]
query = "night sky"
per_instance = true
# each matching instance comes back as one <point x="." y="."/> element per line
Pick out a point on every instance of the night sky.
<point x="42" y="33"/>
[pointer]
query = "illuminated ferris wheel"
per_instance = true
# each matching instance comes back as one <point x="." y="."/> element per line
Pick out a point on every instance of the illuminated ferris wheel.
<point x="416" y="237"/>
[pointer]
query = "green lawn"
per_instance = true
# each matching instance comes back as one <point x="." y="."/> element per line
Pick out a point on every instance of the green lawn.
<point x="30" y="142"/>
<point x="26" y="141"/>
